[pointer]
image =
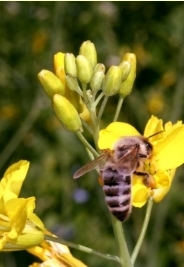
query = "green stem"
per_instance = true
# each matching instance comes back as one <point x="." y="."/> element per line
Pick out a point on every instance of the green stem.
<point x="143" y="230"/>
<point x="87" y="127"/>
<point x="121" y="242"/>
<point x="86" y="144"/>
<point x="82" y="248"/>
<point x="104" y="102"/>
<point x="118" y="109"/>
<point x="98" y="99"/>
<point x="90" y="105"/>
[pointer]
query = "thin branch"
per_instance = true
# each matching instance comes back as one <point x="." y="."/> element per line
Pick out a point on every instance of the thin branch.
<point x="118" y="109"/>
<point x="82" y="248"/>
<point x="104" y="102"/>
<point x="86" y="144"/>
<point x="143" y="231"/>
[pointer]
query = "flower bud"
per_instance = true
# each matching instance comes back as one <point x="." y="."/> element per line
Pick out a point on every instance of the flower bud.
<point x="75" y="99"/>
<point x="70" y="65"/>
<point x="84" y="69"/>
<point x="99" y="67"/>
<point x="50" y="83"/>
<point x="66" y="113"/>
<point x="88" y="50"/>
<point x="127" y="84"/>
<point x="73" y="85"/>
<point x="112" y="81"/>
<point x="59" y="67"/>
<point x="96" y="81"/>
<point x="25" y="240"/>
<point x="58" y="60"/>
<point x="97" y="78"/>
<point x="126" y="66"/>
<point x="60" y="73"/>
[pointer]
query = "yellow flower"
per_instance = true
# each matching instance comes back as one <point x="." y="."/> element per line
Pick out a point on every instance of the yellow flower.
<point x="54" y="255"/>
<point x="19" y="226"/>
<point x="21" y="229"/>
<point x="167" y="155"/>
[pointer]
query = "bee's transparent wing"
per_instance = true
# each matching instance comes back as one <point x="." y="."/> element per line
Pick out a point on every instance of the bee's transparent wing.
<point x="92" y="165"/>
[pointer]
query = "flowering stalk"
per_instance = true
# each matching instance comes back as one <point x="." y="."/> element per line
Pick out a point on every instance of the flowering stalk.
<point x="87" y="79"/>
<point x="124" y="255"/>
<point x="76" y="99"/>
<point x="143" y="231"/>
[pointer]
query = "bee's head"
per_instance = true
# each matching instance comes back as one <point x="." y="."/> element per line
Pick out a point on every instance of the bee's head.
<point x="123" y="145"/>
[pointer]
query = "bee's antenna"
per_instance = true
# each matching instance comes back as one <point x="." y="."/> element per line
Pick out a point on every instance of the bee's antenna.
<point x="155" y="134"/>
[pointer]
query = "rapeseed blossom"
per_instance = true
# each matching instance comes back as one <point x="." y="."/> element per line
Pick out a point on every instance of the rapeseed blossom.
<point x="20" y="228"/>
<point x="167" y="155"/>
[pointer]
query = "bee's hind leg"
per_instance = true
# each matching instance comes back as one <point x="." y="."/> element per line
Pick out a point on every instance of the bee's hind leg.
<point x="147" y="179"/>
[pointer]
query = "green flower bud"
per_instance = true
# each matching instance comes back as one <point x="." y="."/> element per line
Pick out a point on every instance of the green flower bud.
<point x="112" y="81"/>
<point x="99" y="67"/>
<point x="88" y="50"/>
<point x="73" y="84"/>
<point x="84" y="69"/>
<point x="66" y="113"/>
<point x="126" y="66"/>
<point x="96" y="80"/>
<point x="127" y="84"/>
<point x="51" y="83"/>
<point x="70" y="65"/>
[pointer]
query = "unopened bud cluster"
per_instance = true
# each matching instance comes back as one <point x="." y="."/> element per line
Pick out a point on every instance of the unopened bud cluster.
<point x="77" y="80"/>
<point x="86" y="70"/>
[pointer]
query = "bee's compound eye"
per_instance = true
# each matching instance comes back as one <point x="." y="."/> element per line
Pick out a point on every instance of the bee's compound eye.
<point x="148" y="147"/>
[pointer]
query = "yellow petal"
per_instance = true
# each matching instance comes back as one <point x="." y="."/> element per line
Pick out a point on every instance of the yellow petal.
<point x="160" y="192"/>
<point x="153" y="126"/>
<point x="18" y="211"/>
<point x="36" y="220"/>
<point x="169" y="150"/>
<point x="70" y="261"/>
<point x="2" y="209"/>
<point x="60" y="73"/>
<point x="40" y="252"/>
<point x="169" y="126"/>
<point x="113" y="132"/>
<point x="140" y="195"/>
<point x="11" y="183"/>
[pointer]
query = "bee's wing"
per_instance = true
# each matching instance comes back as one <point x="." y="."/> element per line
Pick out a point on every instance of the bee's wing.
<point x="128" y="162"/>
<point x="92" y="165"/>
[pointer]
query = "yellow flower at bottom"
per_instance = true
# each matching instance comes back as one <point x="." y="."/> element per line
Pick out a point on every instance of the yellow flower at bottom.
<point x="167" y="155"/>
<point x="19" y="226"/>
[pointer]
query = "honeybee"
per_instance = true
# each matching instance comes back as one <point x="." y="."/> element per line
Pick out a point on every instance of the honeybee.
<point x="116" y="168"/>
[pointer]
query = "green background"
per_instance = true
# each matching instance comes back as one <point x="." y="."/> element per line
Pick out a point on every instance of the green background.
<point x="30" y="34"/>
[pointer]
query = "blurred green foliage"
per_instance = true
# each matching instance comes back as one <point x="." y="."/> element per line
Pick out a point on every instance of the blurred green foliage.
<point x="30" y="34"/>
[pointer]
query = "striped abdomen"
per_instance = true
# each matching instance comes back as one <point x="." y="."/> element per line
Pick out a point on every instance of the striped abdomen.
<point x="117" y="189"/>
